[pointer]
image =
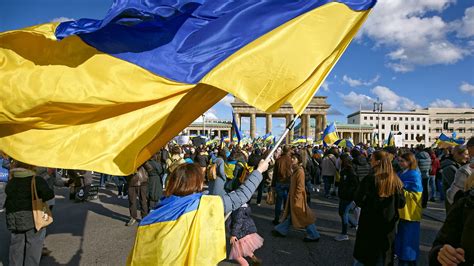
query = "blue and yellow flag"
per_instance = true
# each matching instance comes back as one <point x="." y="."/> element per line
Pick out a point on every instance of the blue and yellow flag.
<point x="444" y="141"/>
<point x="330" y="134"/>
<point x="236" y="128"/>
<point x="185" y="230"/>
<point x="413" y="190"/>
<point x="105" y="95"/>
<point x="390" y="141"/>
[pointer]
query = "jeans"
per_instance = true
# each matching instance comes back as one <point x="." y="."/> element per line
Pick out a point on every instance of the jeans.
<point x="439" y="188"/>
<point x="26" y="247"/>
<point x="328" y="181"/>
<point x="260" y="192"/>
<point x="344" y="207"/>
<point x="431" y="184"/>
<point x="424" y="195"/>
<point x="121" y="184"/>
<point x="103" y="179"/>
<point x="281" y="196"/>
<point x="284" y="227"/>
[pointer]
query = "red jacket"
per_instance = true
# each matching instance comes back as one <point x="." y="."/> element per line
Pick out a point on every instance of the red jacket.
<point x="435" y="165"/>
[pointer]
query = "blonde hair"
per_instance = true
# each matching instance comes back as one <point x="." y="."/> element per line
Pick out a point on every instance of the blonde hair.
<point x="386" y="180"/>
<point x="469" y="183"/>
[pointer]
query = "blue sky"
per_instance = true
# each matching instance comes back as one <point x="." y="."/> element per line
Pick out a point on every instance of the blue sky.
<point x="410" y="54"/>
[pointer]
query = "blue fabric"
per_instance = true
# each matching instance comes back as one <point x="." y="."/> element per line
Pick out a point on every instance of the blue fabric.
<point x="407" y="241"/>
<point x="411" y="180"/>
<point x="172" y="207"/>
<point x="284" y="227"/>
<point x="236" y="128"/>
<point x="183" y="40"/>
<point x="344" y="208"/>
<point x="281" y="191"/>
<point x="3" y="172"/>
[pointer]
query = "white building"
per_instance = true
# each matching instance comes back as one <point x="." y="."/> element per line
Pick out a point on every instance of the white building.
<point x="459" y="120"/>
<point x="412" y="126"/>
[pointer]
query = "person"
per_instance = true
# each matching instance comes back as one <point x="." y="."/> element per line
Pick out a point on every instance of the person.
<point x="216" y="187"/>
<point x="176" y="159"/>
<point x="281" y="181"/>
<point x="347" y="188"/>
<point x="407" y="240"/>
<point x="462" y="174"/>
<point x="190" y="220"/>
<point x="329" y="166"/>
<point x="137" y="189"/>
<point x="5" y="166"/>
<point x="244" y="238"/>
<point x="254" y="159"/>
<point x="449" y="166"/>
<point x="360" y="164"/>
<point x="155" y="171"/>
<point x="435" y="167"/>
<point x="122" y="187"/>
<point x="297" y="211"/>
<point x="317" y="161"/>
<point x="424" y="165"/>
<point x="202" y="158"/>
<point x="309" y="171"/>
<point x="380" y="195"/>
<point x="26" y="242"/>
<point x="454" y="244"/>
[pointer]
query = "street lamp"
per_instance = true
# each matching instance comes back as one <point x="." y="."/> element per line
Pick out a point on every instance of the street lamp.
<point x="378" y="107"/>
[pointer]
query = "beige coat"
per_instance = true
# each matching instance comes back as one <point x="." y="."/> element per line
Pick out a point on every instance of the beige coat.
<point x="301" y="214"/>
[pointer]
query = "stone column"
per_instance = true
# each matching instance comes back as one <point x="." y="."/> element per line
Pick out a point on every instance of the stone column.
<point x="253" y="125"/>
<point x="307" y="125"/>
<point x="288" y="120"/>
<point x="319" y="122"/>
<point x="324" y="122"/>
<point x="268" y="123"/>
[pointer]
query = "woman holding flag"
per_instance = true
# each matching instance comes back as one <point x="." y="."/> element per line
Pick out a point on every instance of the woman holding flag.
<point x="187" y="227"/>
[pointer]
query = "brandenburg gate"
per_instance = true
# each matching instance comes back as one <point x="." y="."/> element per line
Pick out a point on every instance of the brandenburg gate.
<point x="317" y="110"/>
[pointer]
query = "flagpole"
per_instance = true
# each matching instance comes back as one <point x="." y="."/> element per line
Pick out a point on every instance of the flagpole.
<point x="283" y="136"/>
<point x="337" y="132"/>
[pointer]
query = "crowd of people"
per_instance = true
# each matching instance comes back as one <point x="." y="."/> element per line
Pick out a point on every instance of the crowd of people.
<point x="381" y="192"/>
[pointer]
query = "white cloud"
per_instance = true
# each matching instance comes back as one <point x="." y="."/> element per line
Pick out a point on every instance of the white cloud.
<point x="357" y="82"/>
<point x="467" y="88"/>
<point x="446" y="103"/>
<point x="325" y="86"/>
<point x="334" y="111"/>
<point x="227" y="100"/>
<point x="210" y="114"/>
<point x="465" y="26"/>
<point x="414" y="33"/>
<point x="61" y="19"/>
<point x="438" y="103"/>
<point x="390" y="100"/>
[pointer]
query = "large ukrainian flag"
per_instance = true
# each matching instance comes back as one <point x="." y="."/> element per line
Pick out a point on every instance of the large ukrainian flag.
<point x="113" y="91"/>
<point x="413" y="190"/>
<point x="185" y="230"/>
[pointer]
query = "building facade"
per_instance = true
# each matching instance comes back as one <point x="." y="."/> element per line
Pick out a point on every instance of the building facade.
<point x="413" y="126"/>
<point x="459" y="120"/>
<point x="210" y="128"/>
<point x="357" y="132"/>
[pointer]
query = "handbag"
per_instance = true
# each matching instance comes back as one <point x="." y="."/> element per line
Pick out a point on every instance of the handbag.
<point x="41" y="211"/>
<point x="270" y="197"/>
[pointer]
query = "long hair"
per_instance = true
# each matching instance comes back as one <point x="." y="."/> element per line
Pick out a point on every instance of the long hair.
<point x="410" y="158"/>
<point x="386" y="180"/>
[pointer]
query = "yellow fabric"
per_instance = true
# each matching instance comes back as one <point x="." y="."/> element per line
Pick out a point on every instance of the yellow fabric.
<point x="331" y="138"/>
<point x="196" y="238"/>
<point x="66" y="105"/>
<point x="290" y="62"/>
<point x="229" y="170"/>
<point x="88" y="110"/>
<point x="412" y="210"/>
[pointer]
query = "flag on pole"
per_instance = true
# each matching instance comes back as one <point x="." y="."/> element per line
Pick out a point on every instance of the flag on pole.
<point x="444" y="141"/>
<point x="238" y="134"/>
<point x="330" y="134"/>
<point x="105" y="95"/>
<point x="390" y="140"/>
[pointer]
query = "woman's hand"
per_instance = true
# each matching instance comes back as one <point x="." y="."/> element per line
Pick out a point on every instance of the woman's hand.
<point x="263" y="165"/>
<point x="449" y="256"/>
<point x="233" y="239"/>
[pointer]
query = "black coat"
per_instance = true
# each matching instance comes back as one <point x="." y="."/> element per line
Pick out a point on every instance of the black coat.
<point x="348" y="184"/>
<point x="241" y="223"/>
<point x="457" y="230"/>
<point x="376" y="232"/>
<point x="155" y="186"/>
<point x="18" y="206"/>
<point x="362" y="167"/>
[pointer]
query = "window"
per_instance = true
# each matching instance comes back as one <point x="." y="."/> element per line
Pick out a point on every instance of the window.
<point x="383" y="117"/>
<point x="406" y="136"/>
<point x="417" y="119"/>
<point x="365" y="117"/>
<point x="412" y="127"/>
<point x="412" y="136"/>
<point x="371" y="118"/>
<point x="401" y="118"/>
<point x="424" y="119"/>
<point x="389" y="118"/>
<point x="394" y="119"/>
<point x="383" y="135"/>
<point x="417" y="127"/>
<point x="412" y="119"/>
<point x="383" y="126"/>
<point x="424" y="127"/>
<point x="406" y="127"/>
<point x="406" y="118"/>
<point x="377" y="126"/>
<point x="353" y="121"/>
<point x="462" y="130"/>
